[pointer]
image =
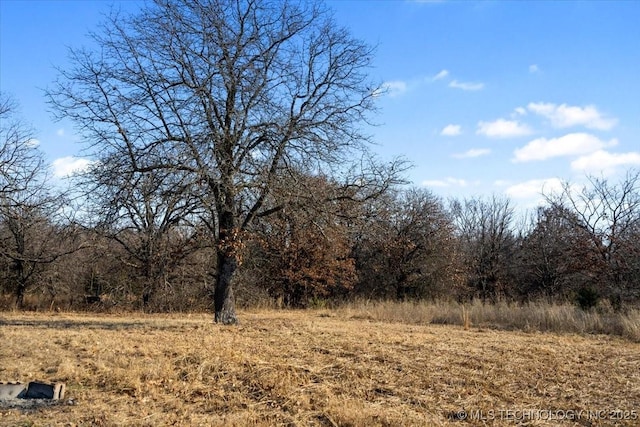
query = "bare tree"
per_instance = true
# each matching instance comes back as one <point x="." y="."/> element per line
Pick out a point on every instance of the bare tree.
<point x="303" y="251"/>
<point x="610" y="216"/>
<point x="152" y="215"/>
<point x="28" y="234"/>
<point x="555" y="256"/>
<point x="21" y="164"/>
<point x="405" y="249"/>
<point x="486" y="243"/>
<point x="234" y="93"/>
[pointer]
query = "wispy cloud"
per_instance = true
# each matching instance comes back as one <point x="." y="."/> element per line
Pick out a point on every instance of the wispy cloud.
<point x="533" y="68"/>
<point x="447" y="182"/>
<point x="66" y="166"/>
<point x="441" y="75"/>
<point x="456" y="84"/>
<point x="474" y="152"/>
<point x="502" y="128"/>
<point x="604" y="162"/>
<point x="60" y="132"/>
<point x="519" y="111"/>
<point x="564" y="116"/>
<point x="468" y="86"/>
<point x="392" y="88"/>
<point x="451" y="130"/>
<point x="572" y="144"/>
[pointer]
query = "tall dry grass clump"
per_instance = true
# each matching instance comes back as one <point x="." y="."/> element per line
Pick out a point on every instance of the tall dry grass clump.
<point x="535" y="316"/>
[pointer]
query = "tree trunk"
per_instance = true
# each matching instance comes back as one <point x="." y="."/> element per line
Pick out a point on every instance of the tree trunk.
<point x="401" y="287"/>
<point x="20" y="290"/>
<point x="229" y="248"/>
<point x="224" y="303"/>
<point x="228" y="254"/>
<point x="21" y="285"/>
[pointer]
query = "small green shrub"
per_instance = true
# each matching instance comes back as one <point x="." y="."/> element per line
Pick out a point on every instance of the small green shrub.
<point x="587" y="298"/>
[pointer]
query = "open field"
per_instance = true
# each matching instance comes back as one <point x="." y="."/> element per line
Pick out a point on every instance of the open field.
<point x="319" y="368"/>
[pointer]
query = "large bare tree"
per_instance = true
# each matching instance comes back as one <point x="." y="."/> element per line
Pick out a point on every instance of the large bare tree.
<point x="235" y="93"/>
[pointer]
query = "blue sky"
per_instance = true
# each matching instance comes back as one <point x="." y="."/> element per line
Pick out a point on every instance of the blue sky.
<point x="492" y="97"/>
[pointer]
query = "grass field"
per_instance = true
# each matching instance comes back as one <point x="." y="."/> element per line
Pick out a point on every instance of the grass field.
<point x="314" y="368"/>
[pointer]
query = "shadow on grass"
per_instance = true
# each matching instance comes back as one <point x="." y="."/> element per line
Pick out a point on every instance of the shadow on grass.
<point x="90" y="324"/>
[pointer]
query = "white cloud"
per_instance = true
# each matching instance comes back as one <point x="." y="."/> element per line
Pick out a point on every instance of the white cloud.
<point x="534" y="189"/>
<point x="520" y="111"/>
<point x="474" y="152"/>
<point x="33" y="142"/>
<point x="441" y="75"/>
<point x="572" y="144"/>
<point x="466" y="85"/>
<point x="60" y="132"/>
<point x="564" y="116"/>
<point x="502" y="128"/>
<point x="533" y="68"/>
<point x="604" y="162"/>
<point x="447" y="182"/>
<point x="469" y="86"/>
<point x="451" y="130"/>
<point x="67" y="166"/>
<point x="394" y="88"/>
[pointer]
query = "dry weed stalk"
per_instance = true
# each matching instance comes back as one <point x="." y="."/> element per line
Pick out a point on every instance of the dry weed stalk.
<point x="466" y="319"/>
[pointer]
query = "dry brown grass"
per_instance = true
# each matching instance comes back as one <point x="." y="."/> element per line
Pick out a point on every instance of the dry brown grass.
<point x="309" y="368"/>
<point x="537" y="316"/>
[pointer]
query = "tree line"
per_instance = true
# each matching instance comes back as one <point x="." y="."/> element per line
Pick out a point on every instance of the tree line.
<point x="143" y="241"/>
<point x="230" y="163"/>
